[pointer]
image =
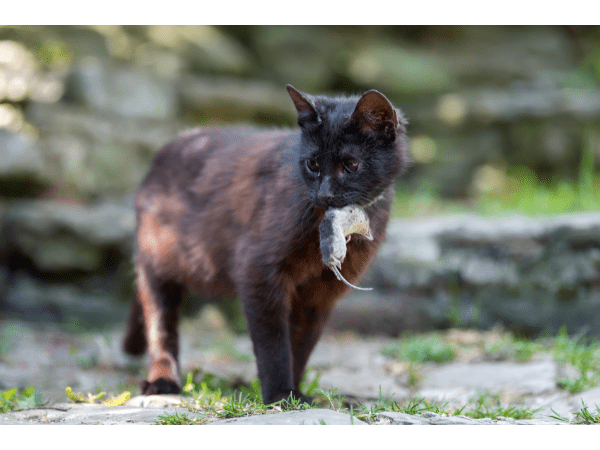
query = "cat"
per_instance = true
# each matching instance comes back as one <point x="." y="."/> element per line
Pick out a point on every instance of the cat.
<point x="231" y="211"/>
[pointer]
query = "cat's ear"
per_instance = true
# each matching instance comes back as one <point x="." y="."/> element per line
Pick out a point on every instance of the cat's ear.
<point x="375" y="113"/>
<point x="307" y="114"/>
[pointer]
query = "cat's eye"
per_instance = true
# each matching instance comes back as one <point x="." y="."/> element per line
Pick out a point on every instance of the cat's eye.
<point x="351" y="166"/>
<point x="312" y="165"/>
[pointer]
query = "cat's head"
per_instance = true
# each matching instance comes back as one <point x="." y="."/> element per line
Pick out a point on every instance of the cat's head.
<point x="352" y="148"/>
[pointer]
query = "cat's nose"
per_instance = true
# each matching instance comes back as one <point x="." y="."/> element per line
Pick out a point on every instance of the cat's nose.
<point x="325" y="197"/>
<point x="325" y="193"/>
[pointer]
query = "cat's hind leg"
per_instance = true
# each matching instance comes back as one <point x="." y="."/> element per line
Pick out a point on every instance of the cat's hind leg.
<point x="159" y="303"/>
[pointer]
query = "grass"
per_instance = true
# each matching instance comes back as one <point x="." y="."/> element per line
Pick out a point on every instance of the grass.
<point x="510" y="347"/>
<point x="176" y="419"/>
<point x="209" y="400"/>
<point x="416" y="405"/>
<point x="583" y="355"/>
<point x="485" y="405"/>
<point x="488" y="405"/>
<point x="422" y="349"/>
<point x="583" y="416"/>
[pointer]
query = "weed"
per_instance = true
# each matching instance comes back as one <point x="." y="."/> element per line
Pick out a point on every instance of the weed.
<point x="210" y="401"/>
<point x="491" y="407"/>
<point x="422" y="349"/>
<point x="115" y="400"/>
<point x="414" y="375"/>
<point x="508" y="347"/>
<point x="78" y="397"/>
<point x="309" y="388"/>
<point x="119" y="399"/>
<point x="413" y="406"/>
<point x="583" y="416"/>
<point x="584" y="356"/>
<point x="176" y="419"/>
<point x="12" y="399"/>
<point x="335" y="399"/>
<point x="524" y="350"/>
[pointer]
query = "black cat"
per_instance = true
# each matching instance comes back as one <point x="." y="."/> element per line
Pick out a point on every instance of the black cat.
<point x="235" y="211"/>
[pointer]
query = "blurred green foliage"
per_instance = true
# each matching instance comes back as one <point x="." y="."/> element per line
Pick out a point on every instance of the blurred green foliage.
<point x="523" y="193"/>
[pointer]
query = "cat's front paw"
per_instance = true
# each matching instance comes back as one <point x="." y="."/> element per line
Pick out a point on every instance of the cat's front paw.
<point x="159" y="386"/>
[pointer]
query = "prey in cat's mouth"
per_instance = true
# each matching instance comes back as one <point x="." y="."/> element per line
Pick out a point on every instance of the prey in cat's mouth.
<point x="335" y="231"/>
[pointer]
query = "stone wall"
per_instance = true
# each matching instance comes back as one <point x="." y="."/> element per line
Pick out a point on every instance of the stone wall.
<point x="73" y="265"/>
<point x="530" y="274"/>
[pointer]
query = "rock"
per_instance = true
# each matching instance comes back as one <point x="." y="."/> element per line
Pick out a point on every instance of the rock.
<point x="90" y="414"/>
<point x="127" y="92"/>
<point x="308" y="417"/>
<point x="398" y="70"/>
<point x="375" y="313"/>
<point x="209" y="50"/>
<point x="227" y="99"/>
<point x="22" y="166"/>
<point x="96" y="154"/>
<point x="368" y="383"/>
<point x="525" y="378"/>
<point x="66" y="303"/>
<point x="60" y="237"/>
<point x="290" y="50"/>
<point x="430" y="418"/>
<point x="591" y="398"/>
<point x="70" y="122"/>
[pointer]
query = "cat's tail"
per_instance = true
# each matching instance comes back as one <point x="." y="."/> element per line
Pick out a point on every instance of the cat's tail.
<point x="135" y="342"/>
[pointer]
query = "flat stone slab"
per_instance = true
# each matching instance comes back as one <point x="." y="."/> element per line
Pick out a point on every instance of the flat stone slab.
<point x="430" y="418"/>
<point x="365" y="383"/>
<point x="590" y="397"/>
<point x="89" y="414"/>
<point x="527" y="378"/>
<point x="308" y="417"/>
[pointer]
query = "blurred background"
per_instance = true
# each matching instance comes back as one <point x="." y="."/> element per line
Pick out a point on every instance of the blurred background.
<point x="494" y="223"/>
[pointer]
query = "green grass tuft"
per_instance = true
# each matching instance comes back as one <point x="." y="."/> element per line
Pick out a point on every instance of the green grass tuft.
<point x="581" y="354"/>
<point x="13" y="399"/>
<point x="422" y="349"/>
<point x="214" y="398"/>
<point x="583" y="416"/>
<point x="176" y="419"/>
<point x="488" y="405"/>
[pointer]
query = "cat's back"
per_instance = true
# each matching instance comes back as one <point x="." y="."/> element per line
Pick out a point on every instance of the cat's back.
<point x="216" y="150"/>
<point x="216" y="171"/>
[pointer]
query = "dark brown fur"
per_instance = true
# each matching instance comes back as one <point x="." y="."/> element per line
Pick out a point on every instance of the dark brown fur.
<point x="224" y="211"/>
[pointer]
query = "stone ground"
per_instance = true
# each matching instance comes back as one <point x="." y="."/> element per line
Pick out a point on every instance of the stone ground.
<point x="51" y="359"/>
